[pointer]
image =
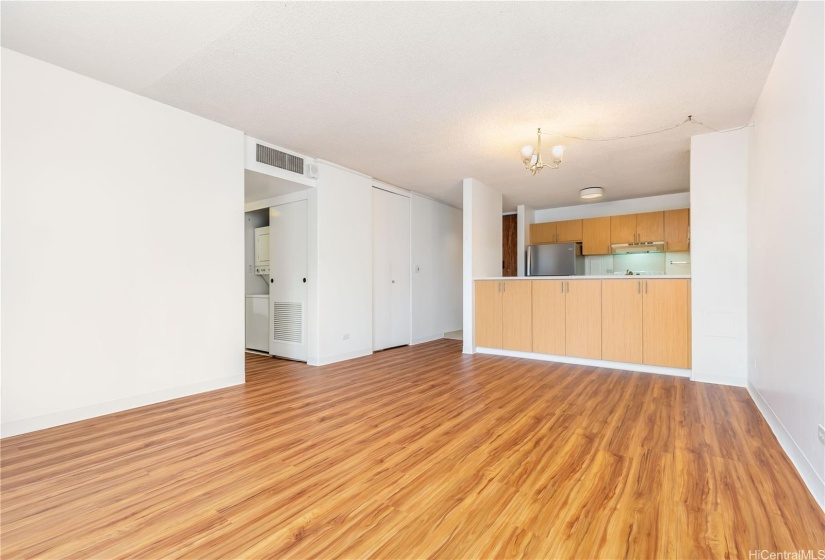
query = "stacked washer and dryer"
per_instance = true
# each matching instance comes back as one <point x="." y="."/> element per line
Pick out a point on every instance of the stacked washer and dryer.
<point x="257" y="306"/>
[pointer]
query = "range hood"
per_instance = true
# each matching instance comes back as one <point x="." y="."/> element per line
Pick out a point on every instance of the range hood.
<point x="634" y="248"/>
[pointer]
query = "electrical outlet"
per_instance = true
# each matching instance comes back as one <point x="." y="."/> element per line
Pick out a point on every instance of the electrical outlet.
<point x="820" y="432"/>
<point x="346" y="336"/>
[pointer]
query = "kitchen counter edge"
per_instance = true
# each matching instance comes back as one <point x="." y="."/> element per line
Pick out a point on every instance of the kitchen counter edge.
<point x="597" y="277"/>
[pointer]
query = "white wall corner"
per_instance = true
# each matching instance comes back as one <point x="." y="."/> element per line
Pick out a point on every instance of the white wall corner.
<point x="482" y="245"/>
<point x="468" y="295"/>
<point x="815" y="484"/>
<point x="525" y="217"/>
<point x="719" y="241"/>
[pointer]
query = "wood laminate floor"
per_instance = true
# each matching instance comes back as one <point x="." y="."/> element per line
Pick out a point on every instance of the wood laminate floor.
<point x="414" y="452"/>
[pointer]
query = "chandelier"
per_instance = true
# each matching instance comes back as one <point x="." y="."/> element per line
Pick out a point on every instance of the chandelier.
<point x="531" y="157"/>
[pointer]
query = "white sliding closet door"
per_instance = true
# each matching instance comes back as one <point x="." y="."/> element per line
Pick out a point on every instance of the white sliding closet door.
<point x="288" y="280"/>
<point x="391" y="269"/>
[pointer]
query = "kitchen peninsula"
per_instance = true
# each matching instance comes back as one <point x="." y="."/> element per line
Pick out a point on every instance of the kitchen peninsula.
<point x="639" y="323"/>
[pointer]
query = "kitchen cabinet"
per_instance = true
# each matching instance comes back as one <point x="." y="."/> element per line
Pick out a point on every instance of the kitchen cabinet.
<point x="596" y="236"/>
<point x="677" y="230"/>
<point x="666" y="323"/>
<point x="637" y="228"/>
<point x="488" y="313"/>
<point x="543" y="233"/>
<point x="567" y="318"/>
<point x="583" y="318"/>
<point x="622" y="321"/>
<point x="517" y="316"/>
<point x="623" y="229"/>
<point x="566" y="231"/>
<point x="549" y="314"/>
<point x="646" y="322"/>
<point x="629" y="320"/>
<point x="503" y="315"/>
<point x="650" y="226"/>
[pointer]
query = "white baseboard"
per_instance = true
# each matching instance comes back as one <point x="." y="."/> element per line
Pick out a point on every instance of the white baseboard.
<point x="586" y="362"/>
<point x="720" y="380"/>
<point x="326" y="360"/>
<point x="423" y="339"/>
<point x="809" y="475"/>
<point x="26" y="425"/>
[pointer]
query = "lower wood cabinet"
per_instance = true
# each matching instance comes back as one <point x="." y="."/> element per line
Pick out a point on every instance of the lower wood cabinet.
<point x="517" y="316"/>
<point x="488" y="313"/>
<point x="622" y="321"/>
<point x="666" y="320"/>
<point x="549" y="314"/>
<point x="646" y="322"/>
<point x="503" y="315"/>
<point x="633" y="321"/>
<point x="567" y="318"/>
<point x="583" y="318"/>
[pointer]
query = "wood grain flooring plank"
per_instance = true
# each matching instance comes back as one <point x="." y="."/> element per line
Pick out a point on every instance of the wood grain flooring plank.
<point x="414" y="452"/>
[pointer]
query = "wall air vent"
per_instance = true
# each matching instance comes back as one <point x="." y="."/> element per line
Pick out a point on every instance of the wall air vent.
<point x="288" y="322"/>
<point x="275" y="158"/>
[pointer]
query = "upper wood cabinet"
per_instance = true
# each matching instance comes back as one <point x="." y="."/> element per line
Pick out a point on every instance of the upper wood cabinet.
<point x="596" y="236"/>
<point x="677" y="230"/>
<point x="623" y="229"/>
<point x="568" y="231"/>
<point x="637" y="228"/>
<point x="543" y="233"/>
<point x="650" y="226"/>
<point x="503" y="315"/>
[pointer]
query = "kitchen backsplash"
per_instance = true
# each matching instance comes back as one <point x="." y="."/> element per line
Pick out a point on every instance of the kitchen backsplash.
<point x="645" y="263"/>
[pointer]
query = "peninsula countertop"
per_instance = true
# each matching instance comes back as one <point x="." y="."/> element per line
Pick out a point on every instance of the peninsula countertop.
<point x="595" y="277"/>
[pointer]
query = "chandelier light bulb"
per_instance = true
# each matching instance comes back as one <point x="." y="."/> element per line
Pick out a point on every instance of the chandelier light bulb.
<point x="527" y="152"/>
<point x="558" y="152"/>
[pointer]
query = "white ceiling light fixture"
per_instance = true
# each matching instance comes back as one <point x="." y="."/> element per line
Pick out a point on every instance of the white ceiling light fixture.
<point x="531" y="157"/>
<point x="591" y="192"/>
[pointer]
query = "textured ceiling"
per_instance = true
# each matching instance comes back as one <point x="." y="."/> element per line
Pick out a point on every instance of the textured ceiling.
<point x="422" y="95"/>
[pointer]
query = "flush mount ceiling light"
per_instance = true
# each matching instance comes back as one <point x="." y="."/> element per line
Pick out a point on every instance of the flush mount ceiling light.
<point x="591" y="192"/>
<point x="531" y="157"/>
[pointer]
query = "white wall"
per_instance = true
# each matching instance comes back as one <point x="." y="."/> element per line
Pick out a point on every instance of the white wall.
<point x="524" y="217"/>
<point x="718" y="225"/>
<point x="614" y="208"/>
<point x="786" y="236"/>
<point x="436" y="258"/>
<point x="122" y="248"/>
<point x="344" y="248"/>
<point x="482" y="245"/>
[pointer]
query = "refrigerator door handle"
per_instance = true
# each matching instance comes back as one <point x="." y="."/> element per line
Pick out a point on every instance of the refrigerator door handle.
<point x="529" y="264"/>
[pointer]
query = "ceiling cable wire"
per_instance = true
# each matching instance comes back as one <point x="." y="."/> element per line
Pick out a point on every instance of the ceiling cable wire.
<point x="689" y="119"/>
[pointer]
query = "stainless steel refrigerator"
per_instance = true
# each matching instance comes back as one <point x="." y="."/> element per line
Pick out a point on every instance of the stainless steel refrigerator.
<point x="556" y="259"/>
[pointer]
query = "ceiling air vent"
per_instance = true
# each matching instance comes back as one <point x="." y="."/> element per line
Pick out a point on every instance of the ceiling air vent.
<point x="271" y="156"/>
